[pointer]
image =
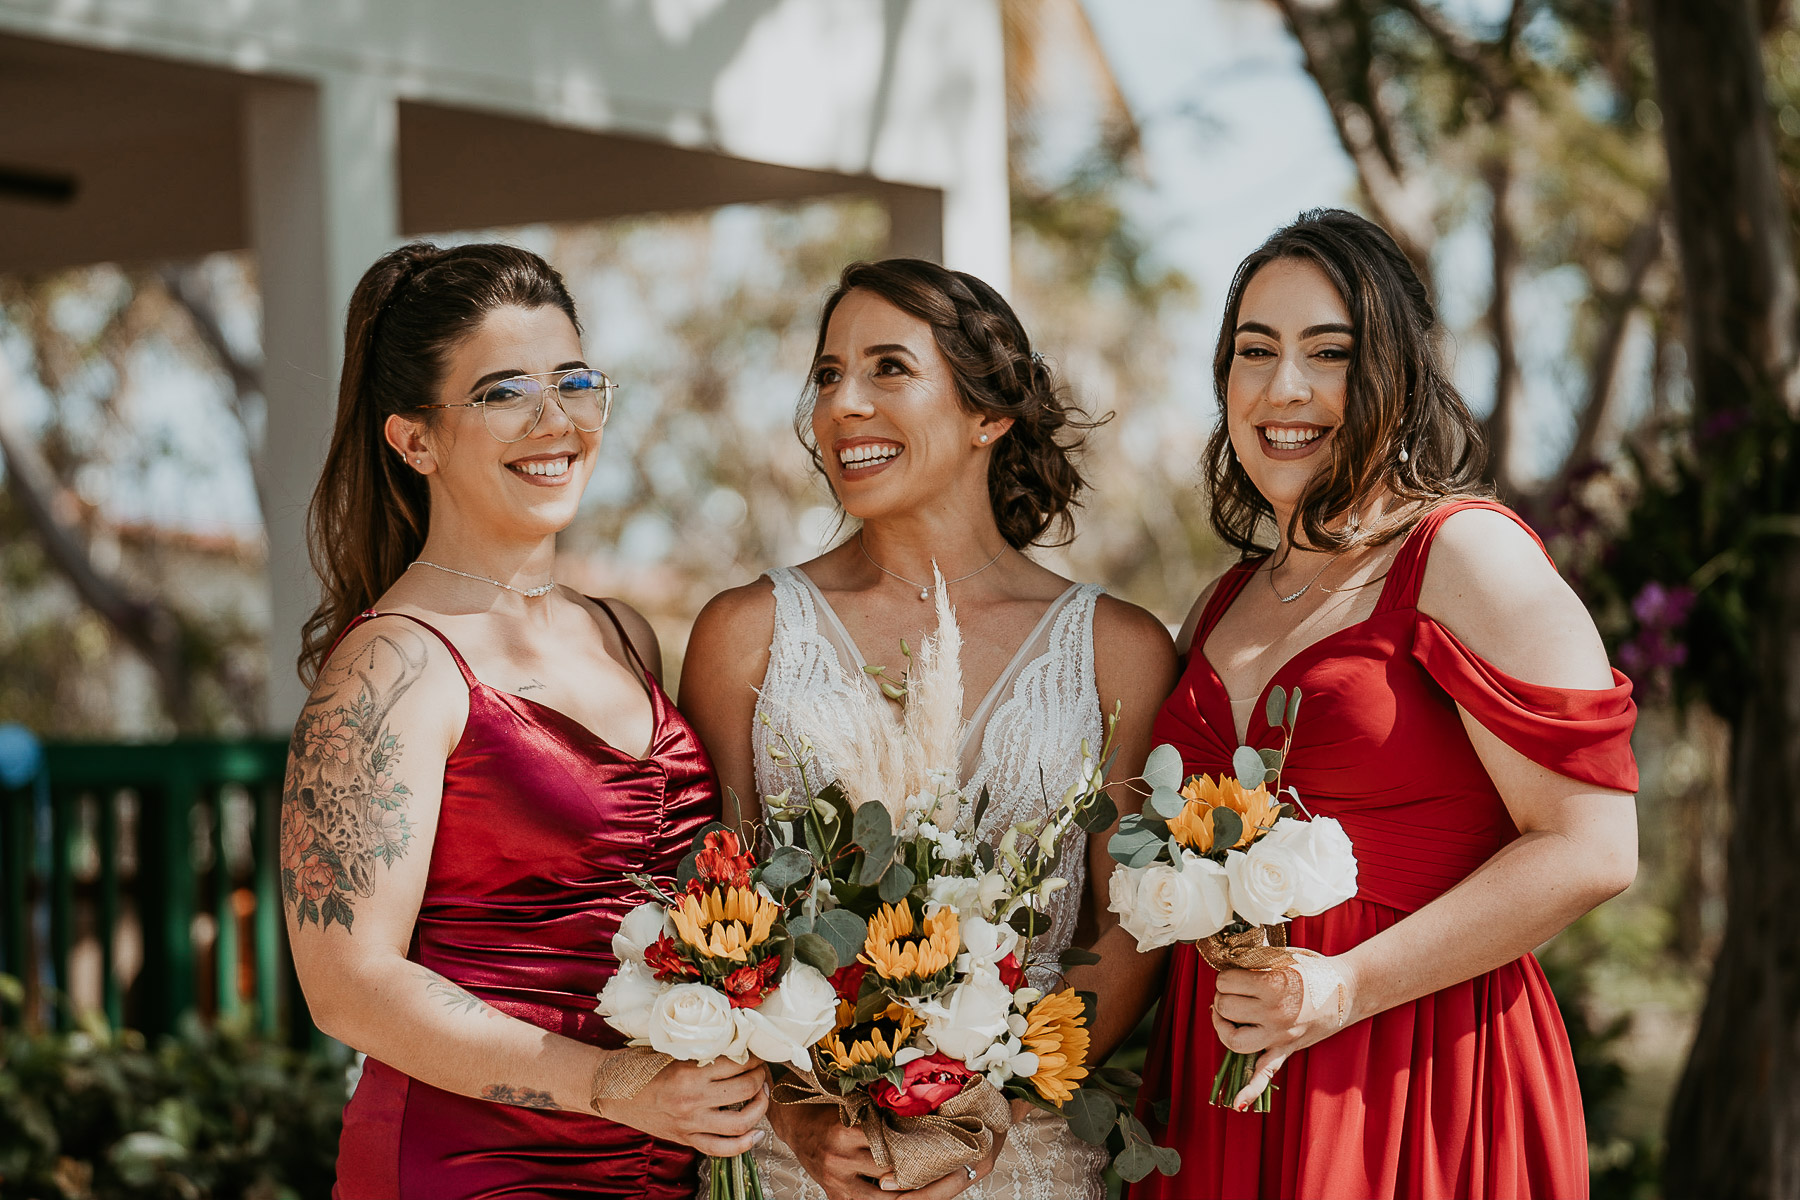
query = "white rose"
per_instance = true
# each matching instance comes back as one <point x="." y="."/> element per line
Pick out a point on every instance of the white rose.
<point x="1327" y="863"/>
<point x="967" y="1019"/>
<point x="1164" y="903"/>
<point x="696" y="1023"/>
<point x="792" y="1017"/>
<point x="985" y="944"/>
<point x="1264" y="881"/>
<point x="628" y="997"/>
<point x="639" y="930"/>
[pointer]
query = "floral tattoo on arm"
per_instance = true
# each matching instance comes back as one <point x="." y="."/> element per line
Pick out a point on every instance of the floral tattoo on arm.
<point x="342" y="807"/>
<point x="506" y="1093"/>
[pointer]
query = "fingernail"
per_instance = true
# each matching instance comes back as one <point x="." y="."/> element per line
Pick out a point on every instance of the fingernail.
<point x="757" y="1137"/>
<point x="889" y="1185"/>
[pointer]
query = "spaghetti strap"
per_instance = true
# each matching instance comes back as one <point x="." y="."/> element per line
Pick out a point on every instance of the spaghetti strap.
<point x="1230" y="584"/>
<point x="468" y="675"/>
<point x="624" y="637"/>
<point x="1407" y="575"/>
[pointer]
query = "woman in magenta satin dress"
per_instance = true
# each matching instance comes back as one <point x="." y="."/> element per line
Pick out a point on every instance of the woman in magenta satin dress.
<point x="1459" y="718"/>
<point x="483" y="758"/>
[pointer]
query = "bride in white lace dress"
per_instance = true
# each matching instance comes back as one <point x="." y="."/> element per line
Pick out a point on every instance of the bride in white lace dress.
<point x="944" y="435"/>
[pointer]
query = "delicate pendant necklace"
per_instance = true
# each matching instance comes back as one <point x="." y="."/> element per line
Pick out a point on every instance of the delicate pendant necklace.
<point x="1290" y="599"/>
<point x="532" y="593"/>
<point x="924" y="588"/>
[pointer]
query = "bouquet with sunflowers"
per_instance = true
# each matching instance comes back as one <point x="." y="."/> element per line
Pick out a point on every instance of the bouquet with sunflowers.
<point x="707" y="972"/>
<point x="924" y="933"/>
<point x="1224" y="864"/>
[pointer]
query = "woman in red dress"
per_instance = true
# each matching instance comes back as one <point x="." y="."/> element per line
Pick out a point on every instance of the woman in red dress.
<point x="483" y="758"/>
<point x="1459" y="718"/>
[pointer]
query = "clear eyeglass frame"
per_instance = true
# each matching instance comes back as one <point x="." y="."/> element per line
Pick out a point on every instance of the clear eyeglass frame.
<point x="502" y="420"/>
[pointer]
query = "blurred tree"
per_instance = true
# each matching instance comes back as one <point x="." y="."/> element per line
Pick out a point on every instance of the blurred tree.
<point x="1734" y="1130"/>
<point x="78" y="334"/>
<point x="1541" y="126"/>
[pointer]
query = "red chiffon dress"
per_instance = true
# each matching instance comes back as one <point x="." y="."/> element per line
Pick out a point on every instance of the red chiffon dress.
<point x="1465" y="1094"/>
<point x="541" y="820"/>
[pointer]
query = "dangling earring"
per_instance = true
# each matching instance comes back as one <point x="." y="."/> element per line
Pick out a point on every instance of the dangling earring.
<point x="1404" y="456"/>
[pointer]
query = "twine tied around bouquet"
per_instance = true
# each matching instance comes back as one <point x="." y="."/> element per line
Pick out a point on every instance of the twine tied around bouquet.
<point x="1264" y="948"/>
<point x="624" y="1073"/>
<point x="920" y="1149"/>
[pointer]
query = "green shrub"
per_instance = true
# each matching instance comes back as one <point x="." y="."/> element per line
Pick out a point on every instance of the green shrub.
<point x="210" y="1114"/>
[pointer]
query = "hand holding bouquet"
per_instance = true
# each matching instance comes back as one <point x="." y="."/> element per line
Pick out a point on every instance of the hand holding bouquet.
<point x="709" y="973"/>
<point x="1224" y="864"/>
<point x="925" y="932"/>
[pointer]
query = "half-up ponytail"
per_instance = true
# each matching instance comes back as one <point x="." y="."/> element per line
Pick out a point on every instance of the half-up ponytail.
<point x="371" y="510"/>
<point x="1034" y="482"/>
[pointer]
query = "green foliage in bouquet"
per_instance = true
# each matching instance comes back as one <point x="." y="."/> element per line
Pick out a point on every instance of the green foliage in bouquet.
<point x="205" y="1115"/>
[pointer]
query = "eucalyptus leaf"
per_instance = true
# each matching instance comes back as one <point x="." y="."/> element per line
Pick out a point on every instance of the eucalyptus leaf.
<point x="1098" y="816"/>
<point x="1168" y="1159"/>
<point x="1136" y="849"/>
<point x="896" y="883"/>
<point x="1293" y="711"/>
<point x="1167" y="803"/>
<point x="1136" y="1161"/>
<point x="1247" y="765"/>
<point x="1274" y="710"/>
<point x="799" y="923"/>
<point x="1119" y="1077"/>
<point x="844" y="930"/>
<point x="1271" y="759"/>
<point x="1077" y="956"/>
<point x="1163" y="768"/>
<point x="1227" y="826"/>
<point x="688" y="869"/>
<point x="984" y="854"/>
<point x="1091" y="1113"/>
<point x="981" y="807"/>
<point x="816" y="953"/>
<point x="786" y="868"/>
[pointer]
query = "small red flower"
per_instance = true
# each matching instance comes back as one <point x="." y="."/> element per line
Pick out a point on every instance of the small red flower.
<point x="296" y="840"/>
<point x="1011" y="973"/>
<point x="747" y="986"/>
<point x="926" y="1085"/>
<point x="315" y="878"/>
<point x="846" y="981"/>
<point x="719" y="864"/>
<point x="665" y="961"/>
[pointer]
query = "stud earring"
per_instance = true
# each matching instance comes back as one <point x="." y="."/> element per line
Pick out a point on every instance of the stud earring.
<point x="984" y="438"/>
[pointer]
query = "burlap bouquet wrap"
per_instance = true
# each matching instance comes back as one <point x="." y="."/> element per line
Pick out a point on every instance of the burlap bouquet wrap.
<point x="917" y="1150"/>
<point x="627" y="1072"/>
<point x="1258" y="948"/>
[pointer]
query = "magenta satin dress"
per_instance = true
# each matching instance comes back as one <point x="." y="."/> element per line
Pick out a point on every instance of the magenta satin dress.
<point x="541" y="820"/>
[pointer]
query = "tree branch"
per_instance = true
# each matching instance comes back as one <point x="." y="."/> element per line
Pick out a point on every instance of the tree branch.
<point x="1505" y="251"/>
<point x="195" y="299"/>
<point x="1642" y="250"/>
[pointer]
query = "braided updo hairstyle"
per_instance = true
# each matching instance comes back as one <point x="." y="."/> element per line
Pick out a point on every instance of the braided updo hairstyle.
<point x="1033" y="480"/>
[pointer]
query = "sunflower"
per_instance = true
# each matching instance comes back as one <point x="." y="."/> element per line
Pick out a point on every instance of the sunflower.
<point x="1193" y="825"/>
<point x="912" y="962"/>
<point x="866" y="1051"/>
<point x="1055" y="1032"/>
<point x="725" y="923"/>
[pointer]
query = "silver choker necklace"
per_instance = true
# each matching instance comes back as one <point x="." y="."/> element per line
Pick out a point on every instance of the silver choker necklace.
<point x="531" y="593"/>
<point x="924" y="588"/>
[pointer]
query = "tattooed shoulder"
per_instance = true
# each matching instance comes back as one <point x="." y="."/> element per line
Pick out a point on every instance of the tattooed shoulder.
<point x="506" y="1093"/>
<point x="343" y="807"/>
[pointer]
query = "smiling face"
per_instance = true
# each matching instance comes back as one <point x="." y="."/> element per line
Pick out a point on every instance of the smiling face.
<point x="524" y="489"/>
<point x="890" y="429"/>
<point x="1286" y="390"/>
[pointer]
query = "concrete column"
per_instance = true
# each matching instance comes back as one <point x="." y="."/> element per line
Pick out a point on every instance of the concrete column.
<point x="915" y="222"/>
<point x="321" y="165"/>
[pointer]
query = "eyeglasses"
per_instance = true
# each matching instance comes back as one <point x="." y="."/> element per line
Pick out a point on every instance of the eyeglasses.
<point x="513" y="407"/>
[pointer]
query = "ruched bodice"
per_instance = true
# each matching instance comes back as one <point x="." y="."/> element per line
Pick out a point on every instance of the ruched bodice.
<point x="1469" y="1092"/>
<point x="541" y="820"/>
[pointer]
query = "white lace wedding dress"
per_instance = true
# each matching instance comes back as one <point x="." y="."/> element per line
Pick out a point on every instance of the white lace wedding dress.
<point x="1023" y="743"/>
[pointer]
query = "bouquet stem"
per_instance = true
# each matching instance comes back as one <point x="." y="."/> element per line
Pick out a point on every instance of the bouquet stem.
<point x="735" y="1178"/>
<point x="1234" y="1074"/>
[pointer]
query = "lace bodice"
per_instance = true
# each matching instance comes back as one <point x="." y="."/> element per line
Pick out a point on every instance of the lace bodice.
<point x="1032" y="720"/>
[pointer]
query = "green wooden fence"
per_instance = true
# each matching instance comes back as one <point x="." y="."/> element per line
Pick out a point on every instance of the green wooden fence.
<point x="162" y="863"/>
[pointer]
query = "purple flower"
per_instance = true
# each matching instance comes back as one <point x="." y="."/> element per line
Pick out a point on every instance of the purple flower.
<point x="1659" y="608"/>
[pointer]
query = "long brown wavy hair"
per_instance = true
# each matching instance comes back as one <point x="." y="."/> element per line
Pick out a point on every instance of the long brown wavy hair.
<point x="1034" y="482"/>
<point x="369" y="514"/>
<point x="1406" y="429"/>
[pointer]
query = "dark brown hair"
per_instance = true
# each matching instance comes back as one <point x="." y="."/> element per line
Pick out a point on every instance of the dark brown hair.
<point x="1399" y="397"/>
<point x="1033" y="479"/>
<point x="369" y="513"/>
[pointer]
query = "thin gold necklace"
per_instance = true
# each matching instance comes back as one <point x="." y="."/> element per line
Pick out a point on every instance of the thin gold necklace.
<point x="924" y="588"/>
